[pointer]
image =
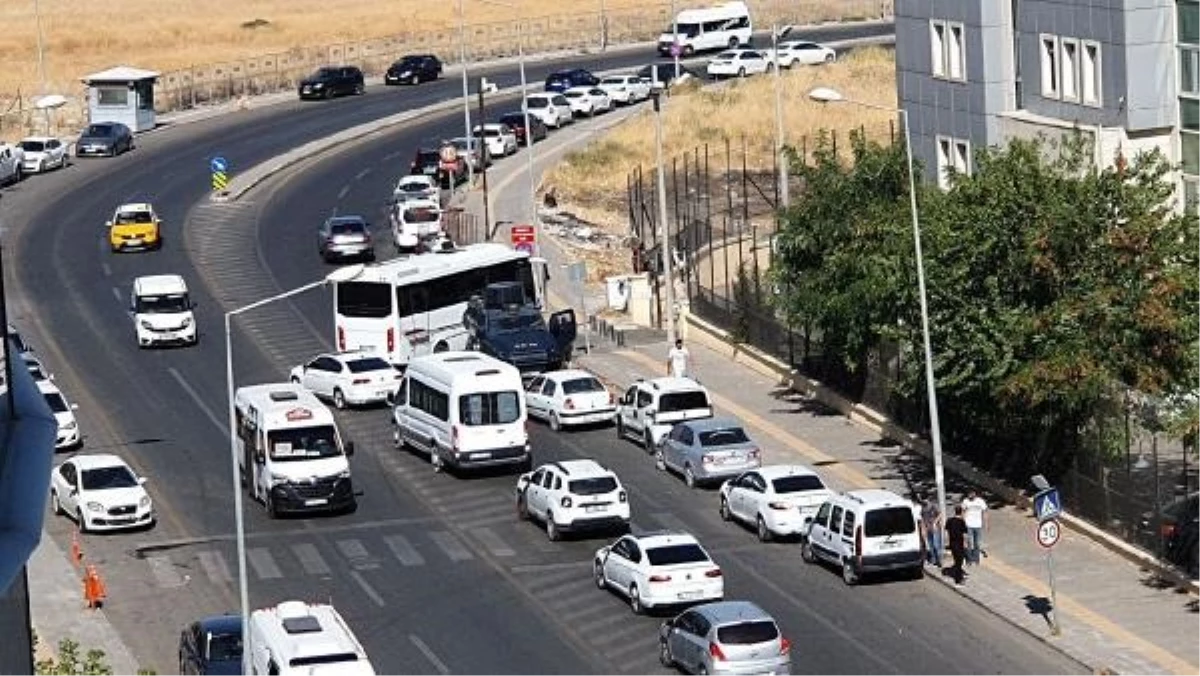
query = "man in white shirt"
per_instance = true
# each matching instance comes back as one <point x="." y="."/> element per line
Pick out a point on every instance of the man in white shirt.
<point x="975" y="514"/>
<point x="679" y="361"/>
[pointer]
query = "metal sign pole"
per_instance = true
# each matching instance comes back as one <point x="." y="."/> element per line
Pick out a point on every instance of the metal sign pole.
<point x="1055" y="629"/>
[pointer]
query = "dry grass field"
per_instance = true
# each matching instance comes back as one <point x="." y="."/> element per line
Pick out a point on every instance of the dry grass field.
<point x="592" y="182"/>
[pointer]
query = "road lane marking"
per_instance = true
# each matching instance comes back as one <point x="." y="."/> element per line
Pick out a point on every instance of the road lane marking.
<point x="429" y="654"/>
<point x="362" y="174"/>
<point x="204" y="407"/>
<point x="450" y="545"/>
<point x="107" y="270"/>
<point x="670" y="521"/>
<point x="310" y="559"/>
<point x="354" y="550"/>
<point x="367" y="589"/>
<point x="343" y="192"/>
<point x="263" y="563"/>
<point x="493" y="542"/>
<point x="215" y="567"/>
<point x="165" y="573"/>
<point x="117" y="295"/>
<point x="403" y="550"/>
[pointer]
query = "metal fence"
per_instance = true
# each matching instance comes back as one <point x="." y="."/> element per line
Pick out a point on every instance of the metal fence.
<point x="463" y="227"/>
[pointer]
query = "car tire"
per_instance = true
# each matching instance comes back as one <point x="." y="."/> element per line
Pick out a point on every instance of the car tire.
<point x="295" y="380"/>
<point x="620" y="427"/>
<point x="830" y="58"/>
<point x="806" y="552"/>
<point x="555" y="423"/>
<point x="441" y="347"/>
<point x="770" y="67"/>
<point x="339" y="399"/>
<point x="522" y="508"/>
<point x="660" y="461"/>
<point x="760" y="526"/>
<point x="917" y="573"/>
<point x="742" y="71"/>
<point x="726" y="513"/>
<point x="648" y="441"/>
<point x="734" y="42"/>
<point x="360" y="89"/>
<point x="598" y="575"/>
<point x="689" y="477"/>
<point x="689" y="50"/>
<point x="552" y="532"/>
<point x="80" y="522"/>
<point x="664" y="654"/>
<point x="269" y="504"/>
<point x="55" y="505"/>
<point x="635" y="600"/>
<point x="849" y="575"/>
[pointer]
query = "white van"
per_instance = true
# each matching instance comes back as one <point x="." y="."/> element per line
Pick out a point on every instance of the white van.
<point x="295" y="637"/>
<point x="290" y="453"/>
<point x="725" y="26"/>
<point x="162" y="311"/>
<point x="465" y="409"/>
<point x="865" y="531"/>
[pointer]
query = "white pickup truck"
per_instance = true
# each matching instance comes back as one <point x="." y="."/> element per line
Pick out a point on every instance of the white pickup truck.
<point x="11" y="158"/>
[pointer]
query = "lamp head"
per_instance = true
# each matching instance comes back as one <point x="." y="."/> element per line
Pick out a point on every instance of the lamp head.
<point x="826" y="95"/>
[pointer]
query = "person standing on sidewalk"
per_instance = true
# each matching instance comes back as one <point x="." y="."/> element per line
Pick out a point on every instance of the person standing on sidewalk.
<point x="933" y="523"/>
<point x="679" y="361"/>
<point x="975" y="515"/>
<point x="956" y="538"/>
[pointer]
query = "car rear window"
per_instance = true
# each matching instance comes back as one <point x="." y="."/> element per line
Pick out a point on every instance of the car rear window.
<point x="414" y="186"/>
<point x="674" y="554"/>
<point x="747" y="633"/>
<point x="797" y="484"/>
<point x="538" y="103"/>
<point x="682" y="401"/>
<point x="889" y="521"/>
<point x="582" y="385"/>
<point x="593" y="486"/>
<point x="733" y="435"/>
<point x="344" y="228"/>
<point x="368" y="364"/>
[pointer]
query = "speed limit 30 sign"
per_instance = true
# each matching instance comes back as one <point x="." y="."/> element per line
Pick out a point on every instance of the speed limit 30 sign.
<point x="1048" y="533"/>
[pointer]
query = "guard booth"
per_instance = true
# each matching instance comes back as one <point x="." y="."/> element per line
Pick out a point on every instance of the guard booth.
<point x="123" y="94"/>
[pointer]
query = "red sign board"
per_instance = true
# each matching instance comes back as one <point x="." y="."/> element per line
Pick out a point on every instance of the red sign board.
<point x="299" y="414"/>
<point x="522" y="234"/>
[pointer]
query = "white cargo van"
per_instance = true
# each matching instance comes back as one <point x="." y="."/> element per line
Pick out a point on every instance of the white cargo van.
<point x="162" y="311"/>
<point x="724" y="26"/>
<point x="295" y="637"/>
<point x="290" y="453"/>
<point x="465" y="409"/>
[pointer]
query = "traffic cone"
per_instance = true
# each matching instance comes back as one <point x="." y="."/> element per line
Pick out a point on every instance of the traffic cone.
<point x="76" y="551"/>
<point x="94" y="593"/>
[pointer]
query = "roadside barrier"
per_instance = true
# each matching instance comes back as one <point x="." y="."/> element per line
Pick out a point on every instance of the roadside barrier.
<point x="94" y="593"/>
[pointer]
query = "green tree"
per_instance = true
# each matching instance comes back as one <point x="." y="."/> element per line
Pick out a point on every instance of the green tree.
<point x="69" y="661"/>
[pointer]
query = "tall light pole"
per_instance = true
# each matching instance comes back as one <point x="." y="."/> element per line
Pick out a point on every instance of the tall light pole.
<point x="340" y="275"/>
<point x="784" y="198"/>
<point x="827" y="95"/>
<point x="663" y="228"/>
<point x="41" y="47"/>
<point x="675" y="47"/>
<point x="466" y="89"/>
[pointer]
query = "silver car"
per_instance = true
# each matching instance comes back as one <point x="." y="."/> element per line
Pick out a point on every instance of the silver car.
<point x="341" y="237"/>
<point x="726" y="637"/>
<point x="708" y="450"/>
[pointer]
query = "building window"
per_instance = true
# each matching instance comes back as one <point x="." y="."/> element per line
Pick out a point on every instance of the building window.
<point x="954" y="157"/>
<point x="1089" y="73"/>
<point x="1191" y="194"/>
<point x="948" y="50"/>
<point x="1050" y="66"/>
<point x="1189" y="135"/>
<point x="112" y="96"/>
<point x="1069" y="60"/>
<point x="1189" y="70"/>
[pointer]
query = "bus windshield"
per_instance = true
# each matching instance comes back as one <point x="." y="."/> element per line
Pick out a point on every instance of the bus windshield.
<point x="364" y="299"/>
<point x="304" y="443"/>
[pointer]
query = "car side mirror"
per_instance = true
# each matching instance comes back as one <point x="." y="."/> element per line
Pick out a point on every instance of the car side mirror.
<point x="108" y="223"/>
<point x="141" y="481"/>
<point x="74" y="407"/>
<point x="74" y="491"/>
<point x="349" y="448"/>
<point x="260" y="458"/>
<point x="808" y="521"/>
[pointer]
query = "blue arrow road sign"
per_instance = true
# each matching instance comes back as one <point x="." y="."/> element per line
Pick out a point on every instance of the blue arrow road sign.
<point x="218" y="165"/>
<point x="1046" y="505"/>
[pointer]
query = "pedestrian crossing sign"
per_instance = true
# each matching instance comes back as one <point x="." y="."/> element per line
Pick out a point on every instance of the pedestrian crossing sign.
<point x="1047" y="505"/>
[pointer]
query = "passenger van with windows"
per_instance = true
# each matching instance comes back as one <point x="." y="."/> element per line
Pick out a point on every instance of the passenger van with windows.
<point x="865" y="531"/>
<point x="290" y="452"/>
<point x="295" y="637"/>
<point x="464" y="409"/>
<point x="724" y="26"/>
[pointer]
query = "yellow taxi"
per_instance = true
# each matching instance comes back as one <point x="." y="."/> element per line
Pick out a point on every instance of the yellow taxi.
<point x="134" y="226"/>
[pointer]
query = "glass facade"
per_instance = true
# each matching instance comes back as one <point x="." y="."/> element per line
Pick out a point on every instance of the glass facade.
<point x="1188" y="27"/>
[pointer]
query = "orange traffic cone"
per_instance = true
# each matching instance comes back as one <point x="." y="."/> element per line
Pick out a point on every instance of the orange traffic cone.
<point x="76" y="551"/>
<point x="94" y="593"/>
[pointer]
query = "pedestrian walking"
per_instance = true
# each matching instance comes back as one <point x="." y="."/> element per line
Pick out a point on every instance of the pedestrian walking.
<point x="956" y="539"/>
<point x="933" y="524"/>
<point x="679" y="361"/>
<point x="975" y="515"/>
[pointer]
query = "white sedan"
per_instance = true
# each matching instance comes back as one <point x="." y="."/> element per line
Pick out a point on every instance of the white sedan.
<point x="100" y="492"/>
<point x="738" y="62"/>
<point x="499" y="139"/>
<point x="569" y="397"/>
<point x="587" y="100"/>
<point x="804" y="53"/>
<point x="625" y="89"/>
<point x="415" y="187"/>
<point x="775" y="499"/>
<point x="64" y="414"/>
<point x="357" y="377"/>
<point x="658" y="569"/>
<point x="43" y="153"/>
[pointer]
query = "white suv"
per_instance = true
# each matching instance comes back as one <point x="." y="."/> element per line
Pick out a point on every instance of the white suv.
<point x="572" y="496"/>
<point x="552" y="109"/>
<point x="650" y="408"/>
<point x="865" y="531"/>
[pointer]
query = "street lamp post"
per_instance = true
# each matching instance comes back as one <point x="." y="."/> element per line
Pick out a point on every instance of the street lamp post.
<point x="827" y="95"/>
<point x="340" y="275"/>
<point x="41" y="46"/>
<point x="663" y="227"/>
<point x="466" y="89"/>
<point x="784" y="198"/>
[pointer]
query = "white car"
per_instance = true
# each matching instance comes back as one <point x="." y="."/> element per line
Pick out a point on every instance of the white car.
<point x="415" y="187"/>
<point x="804" y="53"/>
<point x="739" y="63"/>
<point x="587" y="101"/>
<point x="413" y="221"/>
<point x="499" y="139"/>
<point x="569" y="397"/>
<point x="658" y="569"/>
<point x="64" y="414"/>
<point x="43" y="153"/>
<point x="100" y="492"/>
<point x="552" y="109"/>
<point x="354" y="378"/>
<point x="775" y="499"/>
<point x="625" y="89"/>
<point x="573" y="496"/>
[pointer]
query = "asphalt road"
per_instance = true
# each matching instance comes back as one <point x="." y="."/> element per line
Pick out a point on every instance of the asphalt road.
<point x="433" y="573"/>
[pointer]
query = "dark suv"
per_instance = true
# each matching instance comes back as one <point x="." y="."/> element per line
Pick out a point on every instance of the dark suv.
<point x="428" y="162"/>
<point x="516" y="122"/>
<point x="1176" y="532"/>
<point x="414" y="69"/>
<point x="331" y="81"/>
<point x="563" y="80"/>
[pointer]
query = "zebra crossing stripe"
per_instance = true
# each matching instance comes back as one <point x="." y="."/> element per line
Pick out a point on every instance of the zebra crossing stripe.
<point x="403" y="550"/>
<point x="493" y="542"/>
<point x="164" y="572"/>
<point x="451" y="546"/>
<point x="263" y="564"/>
<point x="311" y="559"/>
<point x="215" y="567"/>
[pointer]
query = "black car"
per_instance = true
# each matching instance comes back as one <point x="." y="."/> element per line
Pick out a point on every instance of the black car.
<point x="331" y="81"/>
<point x="414" y="69"/>
<point x="212" y="646"/>
<point x="563" y="80"/>
<point x="516" y="122"/>
<point x="1177" y="532"/>
<point x="104" y="138"/>
<point x="666" y="74"/>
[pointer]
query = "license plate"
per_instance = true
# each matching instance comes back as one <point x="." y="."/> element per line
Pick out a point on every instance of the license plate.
<point x="688" y="595"/>
<point x="315" y="502"/>
<point x="594" y="508"/>
<point x="889" y="545"/>
<point x="381" y="393"/>
<point x="167" y="335"/>
<point x="480" y="456"/>
<point x="133" y="242"/>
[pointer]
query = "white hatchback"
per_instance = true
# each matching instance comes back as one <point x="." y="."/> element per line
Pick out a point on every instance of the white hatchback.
<point x="552" y="109"/>
<point x="569" y="397"/>
<point x="658" y="569"/>
<point x="775" y="499"/>
<point x="625" y="89"/>
<point x="349" y="378"/>
<point x="739" y="63"/>
<point x="64" y="414"/>
<point x="43" y="153"/>
<point x="587" y="101"/>
<point x="499" y="139"/>
<point x="100" y="492"/>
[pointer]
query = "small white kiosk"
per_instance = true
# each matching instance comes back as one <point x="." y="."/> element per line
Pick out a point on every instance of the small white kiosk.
<point x="122" y="94"/>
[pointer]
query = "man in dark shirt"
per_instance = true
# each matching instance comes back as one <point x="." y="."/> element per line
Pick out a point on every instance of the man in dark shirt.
<point x="956" y="541"/>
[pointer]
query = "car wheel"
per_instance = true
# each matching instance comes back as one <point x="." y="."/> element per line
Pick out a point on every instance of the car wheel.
<point x="598" y="575"/>
<point x="339" y="399"/>
<point x="664" y="654"/>
<point x="295" y="380"/>
<point x="360" y="89"/>
<point x="80" y="523"/>
<point x="917" y="573"/>
<point x="742" y="71"/>
<point x="660" y="461"/>
<point x="55" y="505"/>
<point x="555" y="423"/>
<point x="522" y="508"/>
<point x="830" y="58"/>
<point x="770" y="67"/>
<point x="620" y="428"/>
<point x="688" y="50"/>
<point x="552" y="532"/>
<point x="734" y="42"/>
<point x="726" y="514"/>
<point x="806" y="552"/>
<point x="689" y="477"/>
<point x="269" y="503"/>
<point x="635" y="600"/>
<point x="849" y="575"/>
<point x="441" y="347"/>
<point x="764" y="533"/>
<point x="648" y="441"/>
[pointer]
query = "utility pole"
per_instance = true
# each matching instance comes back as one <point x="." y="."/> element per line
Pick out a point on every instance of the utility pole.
<point x="41" y="47"/>
<point x="675" y="48"/>
<point x="483" y="158"/>
<point x="462" y="58"/>
<point x="784" y="198"/>
<point x="668" y="279"/>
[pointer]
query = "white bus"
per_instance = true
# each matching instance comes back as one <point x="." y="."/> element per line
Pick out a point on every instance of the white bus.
<point x="290" y="453"/>
<point x="465" y="409"/>
<point x="414" y="305"/>
<point x="720" y="27"/>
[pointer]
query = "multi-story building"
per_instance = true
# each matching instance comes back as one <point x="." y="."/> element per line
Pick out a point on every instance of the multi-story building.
<point x="975" y="73"/>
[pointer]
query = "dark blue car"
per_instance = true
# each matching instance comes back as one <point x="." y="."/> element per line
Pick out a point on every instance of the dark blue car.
<point x="563" y="80"/>
<point x="212" y="645"/>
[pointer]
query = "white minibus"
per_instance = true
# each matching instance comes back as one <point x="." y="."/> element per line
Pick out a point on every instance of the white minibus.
<point x="724" y="26"/>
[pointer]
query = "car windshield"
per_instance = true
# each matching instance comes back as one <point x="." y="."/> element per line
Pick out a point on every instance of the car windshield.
<point x="368" y="364"/>
<point x="671" y="555"/>
<point x="574" y="94"/>
<point x="519" y="322"/>
<point x="175" y="302"/>
<point x="538" y="103"/>
<point x="413" y="186"/>
<point x="102" y="478"/>
<point x="682" y="401"/>
<point x="303" y="443"/>
<point x="725" y="437"/>
<point x="33" y="146"/>
<point x="689" y="29"/>
<point x="224" y="647"/>
<point x="99" y="130"/>
<point x="347" y="228"/>
<point x="421" y="215"/>
<point x="747" y="633"/>
<point x="489" y="408"/>
<point x="613" y="81"/>
<point x="594" y="486"/>
<point x="56" y="402"/>
<point x="889" y="521"/>
<point x="797" y="484"/>
<point x="323" y="73"/>
<point x="132" y="217"/>
<point x="581" y="386"/>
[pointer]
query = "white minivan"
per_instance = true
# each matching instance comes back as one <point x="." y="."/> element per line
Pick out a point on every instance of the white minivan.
<point x="162" y="311"/>
<point x="464" y="409"/>
<point x="725" y="26"/>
